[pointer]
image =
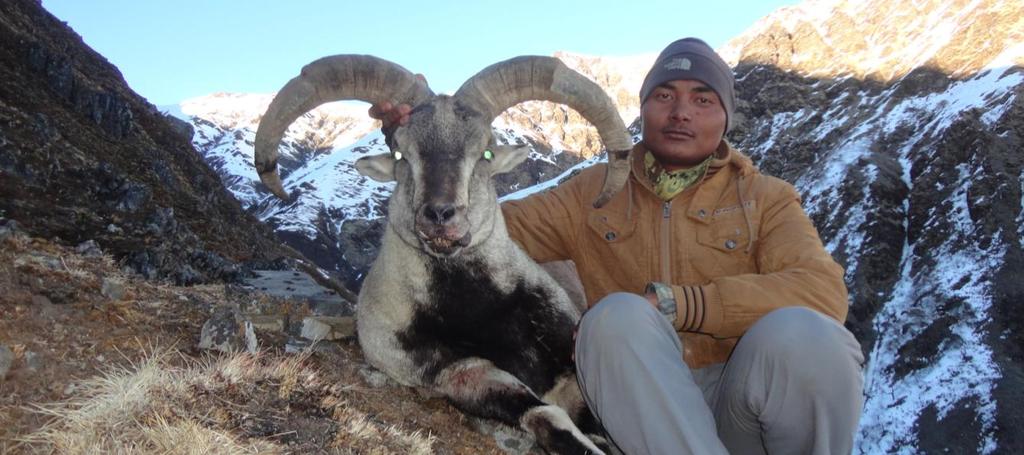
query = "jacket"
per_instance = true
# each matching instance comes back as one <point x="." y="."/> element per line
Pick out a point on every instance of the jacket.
<point x="733" y="247"/>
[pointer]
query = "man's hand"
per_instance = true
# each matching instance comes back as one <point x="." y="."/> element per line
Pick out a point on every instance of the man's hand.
<point x="652" y="298"/>
<point x="390" y="116"/>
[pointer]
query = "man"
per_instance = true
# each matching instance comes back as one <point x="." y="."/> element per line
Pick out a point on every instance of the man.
<point x="715" y="312"/>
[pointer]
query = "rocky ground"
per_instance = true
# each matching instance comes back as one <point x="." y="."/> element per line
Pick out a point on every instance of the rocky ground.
<point x="95" y="359"/>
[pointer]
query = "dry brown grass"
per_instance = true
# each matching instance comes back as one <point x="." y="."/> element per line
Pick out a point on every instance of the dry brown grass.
<point x="124" y="376"/>
<point x="152" y="407"/>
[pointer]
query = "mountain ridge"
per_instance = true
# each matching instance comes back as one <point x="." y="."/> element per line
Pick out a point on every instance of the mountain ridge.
<point x="85" y="158"/>
<point x="913" y="177"/>
<point x="829" y="38"/>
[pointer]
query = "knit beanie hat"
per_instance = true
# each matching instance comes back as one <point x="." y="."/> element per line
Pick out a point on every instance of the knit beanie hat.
<point x="691" y="58"/>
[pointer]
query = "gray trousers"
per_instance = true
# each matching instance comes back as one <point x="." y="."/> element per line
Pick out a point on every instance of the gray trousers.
<point x="793" y="384"/>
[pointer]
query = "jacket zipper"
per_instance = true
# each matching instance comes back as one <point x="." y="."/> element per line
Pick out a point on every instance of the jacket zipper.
<point x="666" y="224"/>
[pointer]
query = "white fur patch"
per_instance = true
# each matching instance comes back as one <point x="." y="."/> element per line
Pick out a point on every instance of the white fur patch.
<point x="557" y="417"/>
<point x="476" y="377"/>
<point x="565" y="394"/>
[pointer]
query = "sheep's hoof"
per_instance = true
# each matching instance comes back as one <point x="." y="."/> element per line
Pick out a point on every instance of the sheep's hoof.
<point x="556" y="433"/>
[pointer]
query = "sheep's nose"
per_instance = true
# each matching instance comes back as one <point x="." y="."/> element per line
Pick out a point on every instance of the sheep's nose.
<point x="439" y="213"/>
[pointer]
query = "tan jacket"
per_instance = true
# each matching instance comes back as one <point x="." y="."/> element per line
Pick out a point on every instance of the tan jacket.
<point x="734" y="247"/>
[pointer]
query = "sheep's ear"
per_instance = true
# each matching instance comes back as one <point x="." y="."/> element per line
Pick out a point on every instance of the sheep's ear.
<point x="378" y="167"/>
<point x="507" y="157"/>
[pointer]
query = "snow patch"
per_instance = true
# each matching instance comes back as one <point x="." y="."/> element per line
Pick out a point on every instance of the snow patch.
<point x="963" y="370"/>
<point x="824" y="182"/>
<point x="851" y="234"/>
<point x="330" y="183"/>
<point x="1020" y="216"/>
<point x="173" y="110"/>
<point x="550" y="183"/>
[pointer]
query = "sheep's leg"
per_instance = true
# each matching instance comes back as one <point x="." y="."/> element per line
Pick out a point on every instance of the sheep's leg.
<point x="478" y="387"/>
<point x="566" y="394"/>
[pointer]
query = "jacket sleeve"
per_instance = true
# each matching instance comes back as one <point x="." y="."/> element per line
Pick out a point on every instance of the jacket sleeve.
<point x="794" y="270"/>
<point x="545" y="224"/>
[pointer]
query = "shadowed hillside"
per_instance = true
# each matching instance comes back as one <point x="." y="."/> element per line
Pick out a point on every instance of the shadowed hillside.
<point x="82" y="157"/>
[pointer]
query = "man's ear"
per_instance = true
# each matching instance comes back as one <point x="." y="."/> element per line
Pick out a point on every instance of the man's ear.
<point x="507" y="157"/>
<point x="378" y="167"/>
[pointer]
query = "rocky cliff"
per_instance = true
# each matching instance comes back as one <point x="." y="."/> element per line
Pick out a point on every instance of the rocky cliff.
<point x="901" y="125"/>
<point x="82" y="158"/>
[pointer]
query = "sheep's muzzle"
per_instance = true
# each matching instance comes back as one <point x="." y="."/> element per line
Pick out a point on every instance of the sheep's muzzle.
<point x="443" y="228"/>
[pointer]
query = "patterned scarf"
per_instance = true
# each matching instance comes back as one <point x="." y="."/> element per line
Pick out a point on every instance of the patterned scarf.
<point x="668" y="185"/>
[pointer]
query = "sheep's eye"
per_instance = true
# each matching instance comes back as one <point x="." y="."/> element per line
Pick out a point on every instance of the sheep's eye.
<point x="488" y="155"/>
<point x="398" y="155"/>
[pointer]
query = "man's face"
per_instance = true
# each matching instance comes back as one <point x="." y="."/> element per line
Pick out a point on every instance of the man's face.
<point x="683" y="123"/>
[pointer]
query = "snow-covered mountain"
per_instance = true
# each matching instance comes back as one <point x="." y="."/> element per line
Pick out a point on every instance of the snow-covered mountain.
<point x="225" y="127"/>
<point x="320" y="149"/>
<point x="901" y="125"/>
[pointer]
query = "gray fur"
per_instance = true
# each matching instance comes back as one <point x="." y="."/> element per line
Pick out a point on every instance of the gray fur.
<point x="398" y="281"/>
<point x="444" y="209"/>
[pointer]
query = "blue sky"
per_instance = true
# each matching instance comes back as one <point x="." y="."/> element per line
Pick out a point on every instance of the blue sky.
<point x="170" y="51"/>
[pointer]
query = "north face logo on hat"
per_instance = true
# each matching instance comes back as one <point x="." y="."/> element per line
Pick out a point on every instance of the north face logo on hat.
<point x="678" y="64"/>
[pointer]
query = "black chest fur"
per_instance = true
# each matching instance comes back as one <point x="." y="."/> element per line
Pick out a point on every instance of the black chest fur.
<point x="468" y="316"/>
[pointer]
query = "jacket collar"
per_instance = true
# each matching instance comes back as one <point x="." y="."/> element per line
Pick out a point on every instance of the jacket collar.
<point x="705" y="195"/>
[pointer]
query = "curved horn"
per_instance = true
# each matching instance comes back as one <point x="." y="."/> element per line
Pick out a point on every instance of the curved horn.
<point x="505" y="84"/>
<point x="335" y="78"/>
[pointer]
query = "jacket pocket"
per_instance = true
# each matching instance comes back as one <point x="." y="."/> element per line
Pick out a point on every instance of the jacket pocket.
<point x="726" y="244"/>
<point x="610" y="228"/>
<point x="614" y="249"/>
